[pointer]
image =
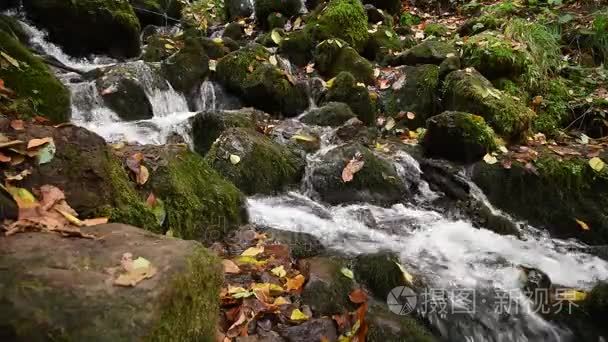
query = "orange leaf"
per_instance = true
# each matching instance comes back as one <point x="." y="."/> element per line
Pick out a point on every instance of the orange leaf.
<point x="4" y="158"/>
<point x="295" y="283"/>
<point x="351" y="168"/>
<point x="38" y="142"/>
<point x="358" y="296"/>
<point x="17" y="125"/>
<point x="230" y="267"/>
<point x="582" y="224"/>
<point x="151" y="200"/>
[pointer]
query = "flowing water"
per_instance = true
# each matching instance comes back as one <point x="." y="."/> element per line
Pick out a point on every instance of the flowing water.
<point x="450" y="255"/>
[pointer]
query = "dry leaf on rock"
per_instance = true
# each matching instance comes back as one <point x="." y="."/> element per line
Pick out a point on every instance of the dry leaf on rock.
<point x="230" y="267"/>
<point x="354" y="165"/>
<point x="135" y="271"/>
<point x="38" y="142"/>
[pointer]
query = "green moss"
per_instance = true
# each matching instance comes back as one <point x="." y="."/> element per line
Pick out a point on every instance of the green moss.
<point x="511" y="88"/>
<point x="343" y="19"/>
<point x="383" y="325"/>
<point x="11" y="26"/>
<point x="191" y="307"/>
<point x="218" y="48"/>
<point x="555" y="111"/>
<point x="200" y="204"/>
<point x="297" y="47"/>
<point x="127" y="207"/>
<point x="596" y="304"/>
<point x="493" y="55"/>
<point x="335" y="56"/>
<point x="264" y="167"/>
<point x="156" y="47"/>
<point x="384" y="41"/>
<point x="428" y="52"/>
<point x="263" y="8"/>
<point x="276" y="20"/>
<point x="328" y="293"/>
<point x="435" y="29"/>
<point x="345" y="89"/>
<point x="409" y="19"/>
<point x="379" y="272"/>
<point x="234" y="31"/>
<point x="331" y="114"/>
<point x="470" y="92"/>
<point x="34" y="83"/>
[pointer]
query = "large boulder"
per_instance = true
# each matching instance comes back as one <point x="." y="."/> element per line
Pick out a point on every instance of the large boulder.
<point x="377" y="182"/>
<point x="297" y="47"/>
<point x="95" y="183"/>
<point x="468" y="91"/>
<point x="37" y="90"/>
<point x="197" y="202"/>
<point x="263" y="8"/>
<point x="333" y="56"/>
<point x="83" y="27"/>
<point x="458" y="136"/>
<point x="157" y="12"/>
<point x="415" y="91"/>
<point x="327" y="289"/>
<point x="66" y="292"/>
<point x="342" y="19"/>
<point x="248" y="73"/>
<point x="331" y="114"/>
<point x="187" y="68"/>
<point x="562" y="191"/>
<point x="346" y="89"/>
<point x="126" y="88"/>
<point x="208" y="126"/>
<point x="253" y="162"/>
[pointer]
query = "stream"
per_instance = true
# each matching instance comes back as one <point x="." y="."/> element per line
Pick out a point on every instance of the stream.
<point x="451" y="255"/>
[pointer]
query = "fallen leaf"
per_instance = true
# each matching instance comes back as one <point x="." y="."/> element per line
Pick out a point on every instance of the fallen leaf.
<point x="10" y="143"/>
<point x="230" y="267"/>
<point x="310" y="68"/>
<point x="383" y="84"/>
<point x="411" y="115"/>
<point x="249" y="260"/>
<point x="253" y="251"/>
<point x="38" y="142"/>
<point x="135" y="271"/>
<point x="490" y="159"/>
<point x="276" y="36"/>
<point x="212" y="64"/>
<point x="273" y="60"/>
<point x="406" y="275"/>
<point x="71" y="218"/>
<point x="46" y="153"/>
<point x="358" y="296"/>
<point x="596" y="164"/>
<point x="17" y="177"/>
<point x="49" y="196"/>
<point x="390" y="124"/>
<point x="295" y="283"/>
<point x="582" y="224"/>
<point x="234" y="159"/>
<point x="354" y="165"/>
<point x="304" y="137"/>
<point x="17" y="125"/>
<point x="297" y="315"/>
<point x="4" y="158"/>
<point x="279" y="271"/>
<point x="142" y="175"/>
<point x="23" y="197"/>
<point x="16" y="160"/>
<point x="347" y="273"/>
<point x="297" y="23"/>
<point x="134" y="161"/>
<point x="281" y="301"/>
<point x="95" y="221"/>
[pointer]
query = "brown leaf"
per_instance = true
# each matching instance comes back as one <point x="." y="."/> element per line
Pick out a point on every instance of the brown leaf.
<point x="295" y="283"/>
<point x="134" y="161"/>
<point x="230" y="267"/>
<point x="17" y="125"/>
<point x="582" y="224"/>
<point x="10" y="143"/>
<point x="38" y="142"/>
<point x="151" y="200"/>
<point x="49" y="196"/>
<point x="358" y="296"/>
<point x="142" y="175"/>
<point x="383" y="84"/>
<point x="354" y="165"/>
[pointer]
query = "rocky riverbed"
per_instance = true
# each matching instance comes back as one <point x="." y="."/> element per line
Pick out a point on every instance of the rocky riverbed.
<point x="290" y="164"/>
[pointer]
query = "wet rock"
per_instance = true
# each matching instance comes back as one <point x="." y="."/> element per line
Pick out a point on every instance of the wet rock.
<point x="93" y="180"/>
<point x="297" y="136"/>
<point x="385" y="325"/>
<point x="391" y="6"/>
<point x="14" y="29"/>
<point x="416" y="93"/>
<point x="331" y="114"/>
<point x="377" y="182"/>
<point x="259" y="83"/>
<point x="302" y="245"/>
<point x="125" y="89"/>
<point x="374" y="15"/>
<point x="8" y="4"/>
<point x="427" y="52"/>
<point x="312" y="330"/>
<point x="84" y="27"/>
<point x="209" y="125"/>
<point x="379" y="272"/>
<point x="234" y="31"/>
<point x="263" y="166"/>
<point x="238" y="8"/>
<point x="326" y="290"/>
<point x="448" y="65"/>
<point x="69" y="285"/>
<point x="468" y="91"/>
<point x="346" y="89"/>
<point x="32" y="81"/>
<point x="458" y="136"/>
<point x="444" y="177"/>
<point x="187" y="68"/>
<point x="354" y="130"/>
<point x="263" y="8"/>
<point x="298" y="47"/>
<point x="333" y="56"/>
<point x="198" y="203"/>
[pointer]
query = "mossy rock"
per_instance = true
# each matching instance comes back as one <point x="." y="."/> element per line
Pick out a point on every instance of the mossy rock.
<point x="382" y="43"/>
<point x="153" y="12"/>
<point x="417" y="94"/>
<point x="342" y="19"/>
<point x="331" y="114"/>
<point x="218" y="47"/>
<point x="345" y="88"/>
<point x="234" y="31"/>
<point x="95" y="183"/>
<point x="248" y="73"/>
<point x="125" y="88"/>
<point x="38" y="91"/>
<point x="494" y="56"/>
<point x="326" y="290"/>
<point x="187" y="68"/>
<point x="263" y="166"/>
<point x="334" y="56"/>
<point x="435" y="29"/>
<point x="458" y="136"/>
<point x="276" y="20"/>
<point x="555" y="110"/>
<point x="469" y="91"/>
<point x="428" y="52"/>
<point x="199" y="204"/>
<point x="159" y="47"/>
<point x="377" y="182"/>
<point x="12" y="26"/>
<point x="263" y="8"/>
<point x="562" y="191"/>
<point x="384" y="325"/>
<point x="208" y="126"/>
<point x="83" y="27"/>
<point x="391" y="6"/>
<point x="379" y="272"/>
<point x="40" y="304"/>
<point x="297" y="47"/>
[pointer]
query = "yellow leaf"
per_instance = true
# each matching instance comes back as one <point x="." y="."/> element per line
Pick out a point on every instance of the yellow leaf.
<point x="273" y="60"/>
<point x="406" y="275"/>
<point x="297" y="315"/>
<point x="169" y="47"/>
<point x="252" y="251"/>
<point x="330" y="83"/>
<point x="279" y="271"/>
<point x="95" y="221"/>
<point x="281" y="301"/>
<point x="295" y="283"/>
<point x="71" y="218"/>
<point x="276" y="37"/>
<point x="143" y="175"/>
<point x="24" y="198"/>
<point x="234" y="159"/>
<point x="347" y="273"/>
<point x="249" y="260"/>
<point x="571" y="295"/>
<point x="490" y="159"/>
<point x="582" y="224"/>
<point x="596" y="164"/>
<point x="304" y="137"/>
<point x="38" y="142"/>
